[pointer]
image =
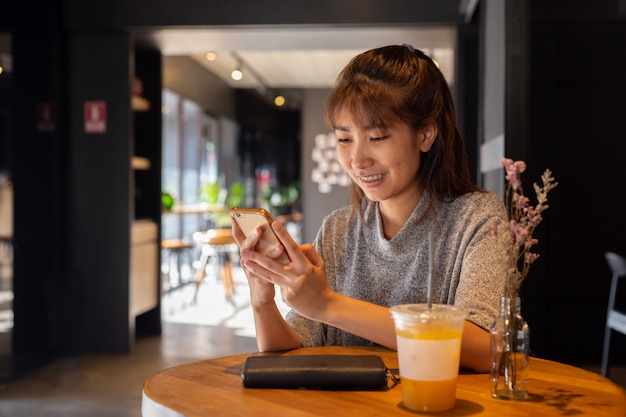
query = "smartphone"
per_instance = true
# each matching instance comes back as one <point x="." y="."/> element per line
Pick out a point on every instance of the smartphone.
<point x="249" y="219"/>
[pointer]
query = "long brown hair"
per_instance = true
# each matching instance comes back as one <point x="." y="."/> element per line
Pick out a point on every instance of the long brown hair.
<point x="399" y="84"/>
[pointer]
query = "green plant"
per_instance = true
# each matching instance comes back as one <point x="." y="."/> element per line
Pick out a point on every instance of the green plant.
<point x="210" y="192"/>
<point x="167" y="200"/>
<point x="236" y="195"/>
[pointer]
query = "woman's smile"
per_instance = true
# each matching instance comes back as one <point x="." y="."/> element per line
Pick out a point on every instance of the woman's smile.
<point x="370" y="179"/>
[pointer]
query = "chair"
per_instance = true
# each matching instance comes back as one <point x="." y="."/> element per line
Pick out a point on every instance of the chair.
<point x="615" y="320"/>
<point x="177" y="249"/>
<point x="216" y="243"/>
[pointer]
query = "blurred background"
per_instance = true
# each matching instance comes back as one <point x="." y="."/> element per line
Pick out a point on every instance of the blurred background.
<point x="124" y="140"/>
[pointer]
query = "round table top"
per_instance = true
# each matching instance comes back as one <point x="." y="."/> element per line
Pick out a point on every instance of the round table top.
<point x="214" y="388"/>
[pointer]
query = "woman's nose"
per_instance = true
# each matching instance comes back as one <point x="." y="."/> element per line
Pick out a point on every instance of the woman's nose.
<point x="360" y="157"/>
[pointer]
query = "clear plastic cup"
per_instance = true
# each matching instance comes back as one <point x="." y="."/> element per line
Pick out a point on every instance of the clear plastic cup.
<point x="429" y="351"/>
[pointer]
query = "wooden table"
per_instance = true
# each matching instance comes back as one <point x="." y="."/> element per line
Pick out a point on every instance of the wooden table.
<point x="214" y="388"/>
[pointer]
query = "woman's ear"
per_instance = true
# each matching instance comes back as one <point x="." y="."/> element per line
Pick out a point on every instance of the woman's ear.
<point x="429" y="134"/>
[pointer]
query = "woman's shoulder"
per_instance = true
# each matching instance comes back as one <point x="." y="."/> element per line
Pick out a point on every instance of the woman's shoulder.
<point x="483" y="201"/>
<point x="340" y="215"/>
<point x="335" y="225"/>
<point x="484" y="196"/>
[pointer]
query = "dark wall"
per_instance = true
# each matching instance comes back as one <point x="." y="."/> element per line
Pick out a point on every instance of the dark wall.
<point x="467" y="68"/>
<point x="39" y="168"/>
<point x="269" y="135"/>
<point x="136" y="13"/>
<point x="73" y="202"/>
<point x="147" y="141"/>
<point x="99" y="201"/>
<point x="577" y="129"/>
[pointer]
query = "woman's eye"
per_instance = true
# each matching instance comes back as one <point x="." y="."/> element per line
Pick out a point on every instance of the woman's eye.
<point x="343" y="140"/>
<point x="379" y="138"/>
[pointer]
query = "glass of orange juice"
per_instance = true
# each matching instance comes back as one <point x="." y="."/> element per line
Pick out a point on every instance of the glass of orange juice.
<point x="429" y="351"/>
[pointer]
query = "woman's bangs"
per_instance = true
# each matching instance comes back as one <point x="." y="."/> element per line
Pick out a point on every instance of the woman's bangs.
<point x="364" y="107"/>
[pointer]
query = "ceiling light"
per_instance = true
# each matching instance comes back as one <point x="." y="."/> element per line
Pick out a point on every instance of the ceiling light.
<point x="210" y="56"/>
<point x="236" y="74"/>
<point x="279" y="100"/>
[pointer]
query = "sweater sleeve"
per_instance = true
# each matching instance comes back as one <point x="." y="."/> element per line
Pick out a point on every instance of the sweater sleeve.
<point x="311" y="332"/>
<point x="484" y="266"/>
<point x="333" y="232"/>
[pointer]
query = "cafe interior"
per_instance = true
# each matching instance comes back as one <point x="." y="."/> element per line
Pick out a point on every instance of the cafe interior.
<point x="125" y="138"/>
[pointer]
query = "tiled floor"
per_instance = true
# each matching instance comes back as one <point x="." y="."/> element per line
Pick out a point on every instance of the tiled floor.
<point x="109" y="385"/>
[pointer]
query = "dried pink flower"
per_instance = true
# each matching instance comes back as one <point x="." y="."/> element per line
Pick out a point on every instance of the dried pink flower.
<point x="523" y="219"/>
<point x="513" y="171"/>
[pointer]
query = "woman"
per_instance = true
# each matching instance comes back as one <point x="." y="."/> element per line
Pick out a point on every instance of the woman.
<point x="394" y="119"/>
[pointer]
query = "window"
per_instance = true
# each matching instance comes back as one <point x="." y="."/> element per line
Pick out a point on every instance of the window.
<point x="190" y="143"/>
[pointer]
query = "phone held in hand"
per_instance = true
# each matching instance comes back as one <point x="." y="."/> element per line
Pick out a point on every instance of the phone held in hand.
<point x="249" y="219"/>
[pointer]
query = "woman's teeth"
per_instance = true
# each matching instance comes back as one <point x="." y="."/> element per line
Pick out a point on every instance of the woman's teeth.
<point x="373" y="178"/>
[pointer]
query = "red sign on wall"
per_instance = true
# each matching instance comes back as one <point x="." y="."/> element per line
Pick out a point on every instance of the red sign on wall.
<point x="95" y="117"/>
<point x="46" y="117"/>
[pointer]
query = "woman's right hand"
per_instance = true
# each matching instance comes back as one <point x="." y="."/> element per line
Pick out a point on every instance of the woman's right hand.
<point x="262" y="292"/>
<point x="272" y="331"/>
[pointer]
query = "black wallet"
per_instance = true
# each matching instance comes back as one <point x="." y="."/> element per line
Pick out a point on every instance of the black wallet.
<point x="347" y="372"/>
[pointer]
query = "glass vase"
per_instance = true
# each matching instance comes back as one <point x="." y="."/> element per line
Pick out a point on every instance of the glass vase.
<point x="509" y="352"/>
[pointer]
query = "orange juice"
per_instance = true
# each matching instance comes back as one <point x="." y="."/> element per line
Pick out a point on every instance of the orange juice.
<point x="429" y="395"/>
<point x="429" y="350"/>
<point x="430" y="360"/>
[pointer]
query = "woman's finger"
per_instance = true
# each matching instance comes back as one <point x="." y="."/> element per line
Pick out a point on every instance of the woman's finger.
<point x="291" y="247"/>
<point x="237" y="233"/>
<point x="311" y="254"/>
<point x="246" y="242"/>
<point x="258" y="270"/>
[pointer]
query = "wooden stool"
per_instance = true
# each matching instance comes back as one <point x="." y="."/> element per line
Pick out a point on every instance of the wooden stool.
<point x="219" y="243"/>
<point x="177" y="248"/>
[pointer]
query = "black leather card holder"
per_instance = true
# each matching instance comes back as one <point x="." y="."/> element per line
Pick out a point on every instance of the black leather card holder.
<point x="340" y="372"/>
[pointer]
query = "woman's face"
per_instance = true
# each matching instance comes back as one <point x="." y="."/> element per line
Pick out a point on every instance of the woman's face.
<point x="383" y="162"/>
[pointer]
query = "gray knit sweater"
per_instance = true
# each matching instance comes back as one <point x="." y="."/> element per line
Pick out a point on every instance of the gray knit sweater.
<point x="360" y="262"/>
